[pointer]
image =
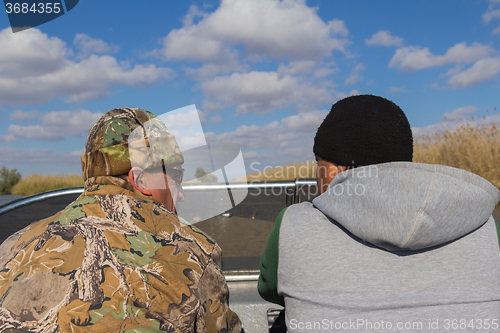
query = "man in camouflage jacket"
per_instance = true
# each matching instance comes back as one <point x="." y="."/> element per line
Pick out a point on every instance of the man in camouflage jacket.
<point x="116" y="259"/>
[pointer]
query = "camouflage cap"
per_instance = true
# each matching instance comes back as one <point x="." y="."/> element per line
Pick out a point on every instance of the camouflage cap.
<point x="128" y="134"/>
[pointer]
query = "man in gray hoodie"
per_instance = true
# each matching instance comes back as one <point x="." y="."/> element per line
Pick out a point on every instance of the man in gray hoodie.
<point x="390" y="245"/>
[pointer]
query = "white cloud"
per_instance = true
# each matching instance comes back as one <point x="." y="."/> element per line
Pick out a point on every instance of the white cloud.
<point x="493" y="11"/>
<point x="278" y="142"/>
<point x="53" y="126"/>
<point x="209" y="70"/>
<point x="254" y="91"/>
<point x="482" y="70"/>
<point x="452" y="120"/>
<point x="355" y="75"/>
<point x="393" y="90"/>
<point x="271" y="28"/>
<point x="459" y="113"/>
<point x="32" y="157"/>
<point x="181" y="117"/>
<point x="491" y="14"/>
<point x="250" y="154"/>
<point x="342" y="95"/>
<point x="414" y="58"/>
<point x="260" y="92"/>
<point x="35" y="68"/>
<point x="384" y="38"/>
<point x="324" y="72"/>
<point x="338" y="27"/>
<point x="216" y="119"/>
<point x="242" y="33"/>
<point x="30" y="54"/>
<point x="88" y="45"/>
<point x="186" y="125"/>
<point x="304" y="121"/>
<point x="452" y="124"/>
<point x="21" y="115"/>
<point x="297" y="67"/>
<point x="453" y="71"/>
<point x="7" y="138"/>
<point x="189" y="139"/>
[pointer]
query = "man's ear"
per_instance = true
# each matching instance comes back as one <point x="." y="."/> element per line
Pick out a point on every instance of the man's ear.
<point x="334" y="169"/>
<point x="341" y="168"/>
<point x="136" y="179"/>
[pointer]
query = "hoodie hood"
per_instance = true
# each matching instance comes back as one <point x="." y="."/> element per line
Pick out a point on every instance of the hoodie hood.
<point x="408" y="206"/>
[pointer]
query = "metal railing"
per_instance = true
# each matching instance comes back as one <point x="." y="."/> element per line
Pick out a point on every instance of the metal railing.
<point x="37" y="198"/>
<point x="293" y="191"/>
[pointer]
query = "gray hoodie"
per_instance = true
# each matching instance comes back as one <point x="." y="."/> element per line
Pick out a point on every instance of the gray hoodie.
<point x="394" y="247"/>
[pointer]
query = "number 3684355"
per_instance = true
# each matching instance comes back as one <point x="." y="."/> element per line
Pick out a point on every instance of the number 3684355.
<point x="40" y="8"/>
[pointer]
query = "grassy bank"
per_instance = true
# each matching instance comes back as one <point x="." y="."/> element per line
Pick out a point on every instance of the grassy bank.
<point x="38" y="183"/>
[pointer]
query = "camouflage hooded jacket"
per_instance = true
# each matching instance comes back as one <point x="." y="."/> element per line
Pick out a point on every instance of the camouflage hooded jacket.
<point x="114" y="260"/>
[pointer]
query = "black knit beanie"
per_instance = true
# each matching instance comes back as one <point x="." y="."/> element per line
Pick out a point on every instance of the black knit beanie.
<point x="363" y="130"/>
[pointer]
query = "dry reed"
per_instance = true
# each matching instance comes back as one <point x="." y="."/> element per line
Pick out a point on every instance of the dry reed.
<point x="38" y="183"/>
<point x="473" y="147"/>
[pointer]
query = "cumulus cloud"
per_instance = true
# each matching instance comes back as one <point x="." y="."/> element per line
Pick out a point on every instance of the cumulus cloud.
<point x="52" y="126"/>
<point x="342" y="95"/>
<point x="209" y="70"/>
<point x="186" y="125"/>
<point x="270" y="28"/>
<point x="250" y="154"/>
<point x="491" y="14"/>
<point x="254" y="91"/>
<point x="452" y="120"/>
<point x="87" y="45"/>
<point x="277" y="142"/>
<point x="35" y="68"/>
<point x="21" y="115"/>
<point x="414" y="58"/>
<point x="324" y="72"/>
<point x="184" y="117"/>
<point x="384" y="38"/>
<point x="394" y="90"/>
<point x="297" y="67"/>
<point x="482" y="70"/>
<point x="493" y="11"/>
<point x="459" y="113"/>
<point x="239" y="34"/>
<point x="260" y="92"/>
<point x="216" y="119"/>
<point x="304" y="121"/>
<point x="355" y="75"/>
<point x="38" y="156"/>
<point x="452" y="124"/>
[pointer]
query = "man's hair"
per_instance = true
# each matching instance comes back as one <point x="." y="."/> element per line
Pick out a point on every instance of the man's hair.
<point x="363" y="130"/>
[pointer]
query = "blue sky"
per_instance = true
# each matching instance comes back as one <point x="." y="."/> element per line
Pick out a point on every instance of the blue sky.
<point x="262" y="73"/>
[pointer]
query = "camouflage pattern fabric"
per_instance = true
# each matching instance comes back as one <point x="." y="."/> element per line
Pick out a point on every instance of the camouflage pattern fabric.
<point x="114" y="260"/>
<point x="125" y="133"/>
